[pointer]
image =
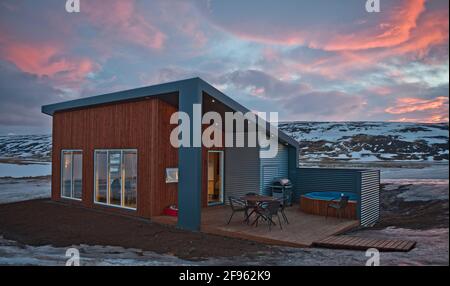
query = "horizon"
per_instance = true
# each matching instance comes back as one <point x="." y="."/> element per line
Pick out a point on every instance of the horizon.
<point x="312" y="61"/>
<point x="280" y="122"/>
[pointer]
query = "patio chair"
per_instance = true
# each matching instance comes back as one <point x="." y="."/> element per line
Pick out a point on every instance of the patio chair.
<point x="283" y="203"/>
<point x="266" y="211"/>
<point x="339" y="205"/>
<point x="238" y="205"/>
<point x="250" y="206"/>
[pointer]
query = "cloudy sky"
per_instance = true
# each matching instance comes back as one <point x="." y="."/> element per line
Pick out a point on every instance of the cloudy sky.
<point x="315" y="60"/>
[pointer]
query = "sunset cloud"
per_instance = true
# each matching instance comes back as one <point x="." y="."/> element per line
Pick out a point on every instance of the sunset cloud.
<point x="121" y="19"/>
<point x="309" y="60"/>
<point x="48" y="60"/>
<point x="408" y="105"/>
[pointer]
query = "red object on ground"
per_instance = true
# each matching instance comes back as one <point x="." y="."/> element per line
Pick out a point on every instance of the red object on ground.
<point x="171" y="211"/>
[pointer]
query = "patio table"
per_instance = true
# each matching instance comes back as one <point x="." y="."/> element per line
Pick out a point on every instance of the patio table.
<point x="257" y="199"/>
<point x="254" y="201"/>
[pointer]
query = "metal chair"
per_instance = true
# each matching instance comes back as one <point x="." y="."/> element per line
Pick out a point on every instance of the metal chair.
<point x="339" y="205"/>
<point x="283" y="203"/>
<point x="266" y="211"/>
<point x="238" y="205"/>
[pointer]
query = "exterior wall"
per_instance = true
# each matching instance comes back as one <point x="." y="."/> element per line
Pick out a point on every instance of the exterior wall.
<point x="142" y="125"/>
<point x="242" y="174"/>
<point x="271" y="168"/>
<point x="326" y="180"/>
<point x="370" y="197"/>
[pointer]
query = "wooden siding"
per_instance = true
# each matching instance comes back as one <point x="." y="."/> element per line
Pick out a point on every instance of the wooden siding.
<point x="142" y="125"/>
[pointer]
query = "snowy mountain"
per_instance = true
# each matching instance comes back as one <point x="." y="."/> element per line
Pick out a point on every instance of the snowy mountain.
<point x="320" y="141"/>
<point x="33" y="147"/>
<point x="369" y="141"/>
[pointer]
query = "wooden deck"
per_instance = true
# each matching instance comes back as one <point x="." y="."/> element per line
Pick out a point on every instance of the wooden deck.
<point x="358" y="243"/>
<point x="303" y="230"/>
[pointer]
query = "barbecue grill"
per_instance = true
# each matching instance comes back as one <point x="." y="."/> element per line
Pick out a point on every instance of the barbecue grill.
<point x="282" y="188"/>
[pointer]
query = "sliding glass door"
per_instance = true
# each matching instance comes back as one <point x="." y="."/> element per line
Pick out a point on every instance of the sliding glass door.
<point x="71" y="174"/>
<point x="116" y="178"/>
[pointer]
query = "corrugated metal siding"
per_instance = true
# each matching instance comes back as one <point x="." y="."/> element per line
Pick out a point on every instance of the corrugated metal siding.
<point x="272" y="168"/>
<point x="370" y="197"/>
<point x="325" y="180"/>
<point x="241" y="171"/>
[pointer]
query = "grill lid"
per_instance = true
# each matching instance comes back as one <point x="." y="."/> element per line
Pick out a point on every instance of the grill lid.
<point x="282" y="182"/>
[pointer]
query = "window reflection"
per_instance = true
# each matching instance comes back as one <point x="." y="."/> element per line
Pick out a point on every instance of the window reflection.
<point x="116" y="177"/>
<point x="71" y="174"/>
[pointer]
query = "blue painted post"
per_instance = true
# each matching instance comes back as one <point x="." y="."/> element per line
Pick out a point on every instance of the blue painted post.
<point x="190" y="164"/>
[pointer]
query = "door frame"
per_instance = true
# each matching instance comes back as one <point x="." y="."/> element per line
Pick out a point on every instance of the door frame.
<point x="222" y="176"/>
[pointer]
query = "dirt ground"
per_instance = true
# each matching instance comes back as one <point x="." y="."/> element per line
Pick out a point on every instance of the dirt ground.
<point x="43" y="222"/>
<point x="411" y="214"/>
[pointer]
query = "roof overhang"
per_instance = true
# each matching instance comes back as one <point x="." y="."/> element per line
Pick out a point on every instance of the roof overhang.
<point x="158" y="90"/>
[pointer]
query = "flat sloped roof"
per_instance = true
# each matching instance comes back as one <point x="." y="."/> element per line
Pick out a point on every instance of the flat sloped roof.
<point x="156" y="90"/>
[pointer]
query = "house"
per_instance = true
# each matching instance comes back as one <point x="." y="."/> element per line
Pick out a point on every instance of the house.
<point x="113" y="152"/>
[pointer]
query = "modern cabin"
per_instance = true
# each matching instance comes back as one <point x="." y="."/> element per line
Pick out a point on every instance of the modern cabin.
<point x="113" y="152"/>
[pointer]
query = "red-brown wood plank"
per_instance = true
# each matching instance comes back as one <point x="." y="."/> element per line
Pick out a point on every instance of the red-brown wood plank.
<point x="359" y="243"/>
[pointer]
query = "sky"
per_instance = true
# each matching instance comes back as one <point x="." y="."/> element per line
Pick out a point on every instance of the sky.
<point x="317" y="60"/>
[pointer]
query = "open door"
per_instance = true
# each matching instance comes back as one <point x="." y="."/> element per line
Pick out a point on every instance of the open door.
<point x="215" y="178"/>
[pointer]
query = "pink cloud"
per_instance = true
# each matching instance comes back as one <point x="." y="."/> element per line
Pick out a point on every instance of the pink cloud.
<point x="394" y="30"/>
<point x="420" y="110"/>
<point x="48" y="60"/>
<point x="121" y="19"/>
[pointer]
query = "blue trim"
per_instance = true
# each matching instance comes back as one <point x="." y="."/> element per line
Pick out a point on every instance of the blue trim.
<point x="190" y="166"/>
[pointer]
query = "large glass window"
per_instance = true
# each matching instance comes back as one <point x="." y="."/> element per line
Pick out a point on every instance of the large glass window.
<point x="116" y="177"/>
<point x="101" y="176"/>
<point x="71" y="174"/>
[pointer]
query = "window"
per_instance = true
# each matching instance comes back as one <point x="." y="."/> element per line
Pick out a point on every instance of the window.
<point x="116" y="178"/>
<point x="71" y="174"/>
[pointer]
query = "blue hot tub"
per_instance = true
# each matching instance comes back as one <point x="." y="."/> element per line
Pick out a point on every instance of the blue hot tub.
<point x="329" y="196"/>
<point x="317" y="203"/>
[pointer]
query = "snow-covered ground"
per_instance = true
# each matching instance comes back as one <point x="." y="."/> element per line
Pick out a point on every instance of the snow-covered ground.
<point x="432" y="249"/>
<point x="32" y="169"/>
<point x="16" y="190"/>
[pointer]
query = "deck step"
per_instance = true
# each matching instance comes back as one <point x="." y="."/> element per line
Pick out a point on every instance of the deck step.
<point x="358" y="243"/>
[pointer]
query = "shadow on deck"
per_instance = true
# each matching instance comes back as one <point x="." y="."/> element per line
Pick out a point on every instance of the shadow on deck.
<point x="302" y="231"/>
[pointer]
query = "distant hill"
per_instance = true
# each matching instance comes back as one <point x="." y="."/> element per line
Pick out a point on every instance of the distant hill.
<point x="320" y="141"/>
<point x="35" y="147"/>
<point x="369" y="141"/>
